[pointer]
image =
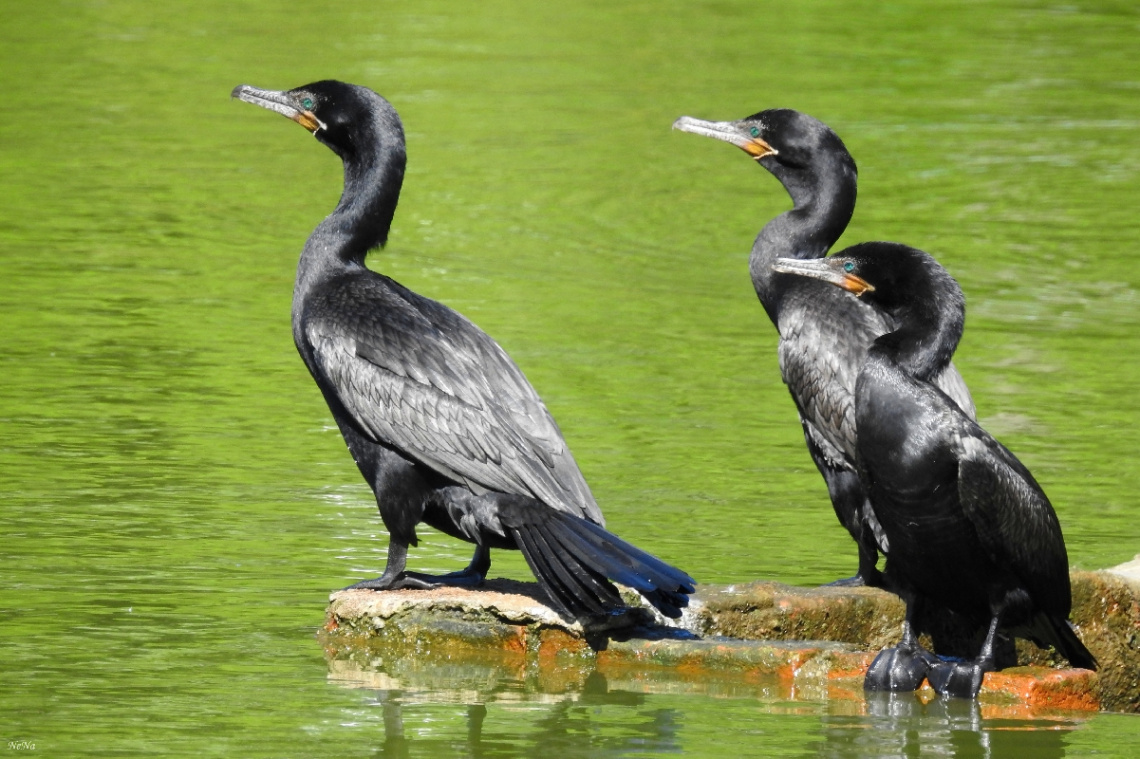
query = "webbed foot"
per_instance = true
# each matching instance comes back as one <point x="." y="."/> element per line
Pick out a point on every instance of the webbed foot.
<point x="868" y="576"/>
<point x="399" y="582"/>
<point x="958" y="678"/>
<point x="963" y="679"/>
<point x="898" y="669"/>
<point x="465" y="578"/>
<point x="395" y="578"/>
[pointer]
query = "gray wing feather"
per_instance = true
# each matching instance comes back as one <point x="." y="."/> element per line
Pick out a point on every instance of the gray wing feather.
<point x="420" y="377"/>
<point x="951" y="383"/>
<point x="820" y="361"/>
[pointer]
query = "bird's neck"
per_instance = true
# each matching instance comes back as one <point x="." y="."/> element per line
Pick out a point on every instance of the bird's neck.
<point x="359" y="223"/>
<point x="822" y="210"/>
<point x="927" y="338"/>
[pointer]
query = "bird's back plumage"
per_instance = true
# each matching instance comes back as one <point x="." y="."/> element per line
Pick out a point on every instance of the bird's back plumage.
<point x="419" y="377"/>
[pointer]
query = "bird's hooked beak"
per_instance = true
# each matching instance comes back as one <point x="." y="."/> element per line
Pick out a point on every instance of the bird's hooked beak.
<point x="279" y="102"/>
<point x="830" y="270"/>
<point x="727" y="131"/>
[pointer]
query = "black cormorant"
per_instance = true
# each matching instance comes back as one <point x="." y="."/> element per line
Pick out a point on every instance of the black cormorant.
<point x="968" y="526"/>
<point x="824" y="336"/>
<point x="442" y="424"/>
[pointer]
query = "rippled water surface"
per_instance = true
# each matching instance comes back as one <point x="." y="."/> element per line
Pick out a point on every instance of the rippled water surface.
<point x="176" y="503"/>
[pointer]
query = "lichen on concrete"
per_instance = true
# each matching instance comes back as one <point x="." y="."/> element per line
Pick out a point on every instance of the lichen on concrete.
<point x="502" y="615"/>
<point x="774" y="611"/>
<point x="1106" y="613"/>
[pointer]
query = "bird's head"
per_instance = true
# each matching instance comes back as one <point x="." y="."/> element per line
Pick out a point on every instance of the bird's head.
<point x="885" y="273"/>
<point x="847" y="272"/>
<point x="364" y="130"/>
<point x="352" y="120"/>
<point x="924" y="300"/>
<point x="799" y="150"/>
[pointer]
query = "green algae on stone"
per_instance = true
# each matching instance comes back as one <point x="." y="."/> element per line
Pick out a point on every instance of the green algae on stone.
<point x="763" y="629"/>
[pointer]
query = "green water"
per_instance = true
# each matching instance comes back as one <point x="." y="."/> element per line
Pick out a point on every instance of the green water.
<point x="176" y="503"/>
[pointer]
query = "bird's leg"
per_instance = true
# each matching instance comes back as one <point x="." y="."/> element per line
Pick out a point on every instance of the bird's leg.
<point x="471" y="577"/>
<point x="851" y="509"/>
<point x="395" y="576"/>
<point x="903" y="667"/>
<point x="964" y="679"/>
<point x="868" y="574"/>
<point x="393" y="570"/>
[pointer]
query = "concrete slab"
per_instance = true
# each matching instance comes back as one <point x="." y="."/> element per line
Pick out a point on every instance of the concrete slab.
<point x="815" y="642"/>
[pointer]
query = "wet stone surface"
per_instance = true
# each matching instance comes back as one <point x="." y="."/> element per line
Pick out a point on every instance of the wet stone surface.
<point x="816" y="642"/>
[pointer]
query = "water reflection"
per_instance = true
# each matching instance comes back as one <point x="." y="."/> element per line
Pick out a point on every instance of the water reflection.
<point x="594" y="721"/>
<point x="508" y="708"/>
<point x="906" y="725"/>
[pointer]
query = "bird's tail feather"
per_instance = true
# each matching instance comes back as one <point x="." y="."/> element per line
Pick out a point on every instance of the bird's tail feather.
<point x="1064" y="639"/>
<point x="576" y="560"/>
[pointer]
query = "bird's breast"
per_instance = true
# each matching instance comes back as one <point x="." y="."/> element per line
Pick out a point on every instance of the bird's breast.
<point x="902" y="438"/>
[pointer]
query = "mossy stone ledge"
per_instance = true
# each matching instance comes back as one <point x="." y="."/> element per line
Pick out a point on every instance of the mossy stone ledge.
<point x="810" y="642"/>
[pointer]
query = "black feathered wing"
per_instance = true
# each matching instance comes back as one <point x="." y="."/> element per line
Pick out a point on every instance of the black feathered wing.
<point x="951" y="383"/>
<point x="421" y="378"/>
<point x="1013" y="518"/>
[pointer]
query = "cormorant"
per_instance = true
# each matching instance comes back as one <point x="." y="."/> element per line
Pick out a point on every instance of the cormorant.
<point x="824" y="336"/>
<point x="968" y="526"/>
<point x="442" y="424"/>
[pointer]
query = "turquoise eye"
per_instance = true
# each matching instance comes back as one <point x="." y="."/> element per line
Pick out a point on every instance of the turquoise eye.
<point x="849" y="267"/>
<point x="308" y="103"/>
<point x="754" y="131"/>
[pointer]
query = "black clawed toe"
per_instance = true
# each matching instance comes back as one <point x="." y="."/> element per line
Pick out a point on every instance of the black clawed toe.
<point x="898" y="669"/>
<point x="400" y="582"/>
<point x="396" y="578"/>
<point x="416" y="581"/>
<point x="464" y="578"/>
<point x="379" y="583"/>
<point x="958" y="679"/>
